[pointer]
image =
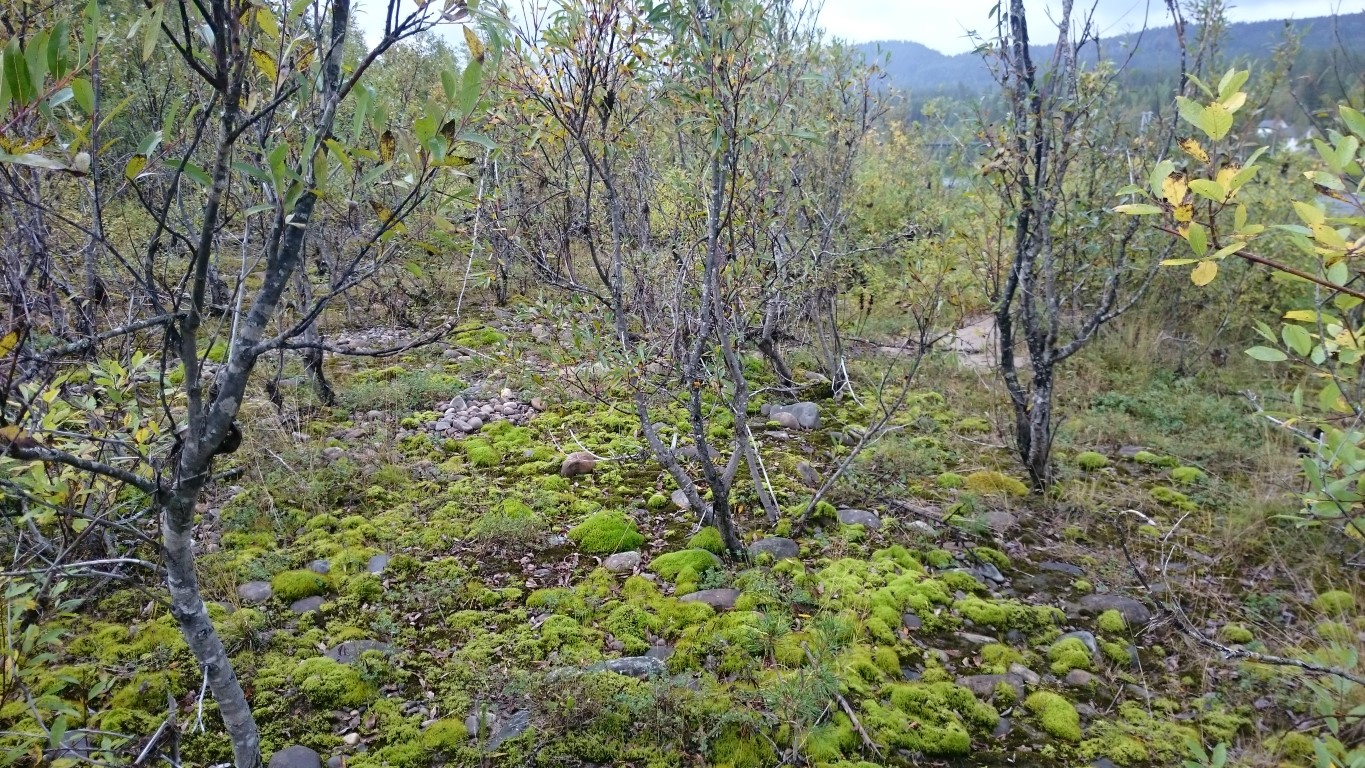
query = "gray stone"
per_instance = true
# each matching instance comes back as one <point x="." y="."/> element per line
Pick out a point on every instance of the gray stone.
<point x="679" y="500"/>
<point x="720" y="599"/>
<point x="350" y="650"/>
<point x="336" y="761"/>
<point x="320" y="566"/>
<point x="988" y="572"/>
<point x="306" y="604"/>
<point x="333" y="453"/>
<point x="1067" y="568"/>
<point x="296" y="756"/>
<point x="622" y="562"/>
<point x="807" y="414"/>
<point x="808" y="474"/>
<point x="911" y="621"/>
<point x="777" y="546"/>
<point x="351" y="739"/>
<point x="1079" y="678"/>
<point x="639" y="667"/>
<point x="578" y="463"/>
<point x="1002" y="728"/>
<point x="1085" y="637"/>
<point x="922" y="528"/>
<point x="1138" y="692"/>
<point x="860" y="517"/>
<point x="1130" y="451"/>
<point x="660" y="652"/>
<point x="786" y="420"/>
<point x="255" y="592"/>
<point x="474" y="423"/>
<point x="1135" y="613"/>
<point x="975" y="639"/>
<point x="377" y="564"/>
<point x="442" y="425"/>
<point x="511" y="727"/>
<point x="984" y="685"/>
<point x="999" y="520"/>
<point x="1027" y="675"/>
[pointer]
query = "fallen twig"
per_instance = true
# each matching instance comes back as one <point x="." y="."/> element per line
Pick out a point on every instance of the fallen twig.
<point x="848" y="710"/>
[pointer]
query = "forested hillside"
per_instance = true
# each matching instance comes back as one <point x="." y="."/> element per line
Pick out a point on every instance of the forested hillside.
<point x="1321" y="46"/>
<point x="636" y="383"/>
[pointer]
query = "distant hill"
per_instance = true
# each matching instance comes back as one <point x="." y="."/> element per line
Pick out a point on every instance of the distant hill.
<point x="925" y="72"/>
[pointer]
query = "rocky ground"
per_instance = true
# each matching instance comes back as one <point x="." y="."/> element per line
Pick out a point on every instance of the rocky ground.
<point x="500" y="576"/>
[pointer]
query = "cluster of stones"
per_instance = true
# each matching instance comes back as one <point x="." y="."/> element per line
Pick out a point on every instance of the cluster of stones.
<point x="463" y="416"/>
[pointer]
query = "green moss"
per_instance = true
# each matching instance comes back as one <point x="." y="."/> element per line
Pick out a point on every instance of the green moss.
<point x="329" y="684"/>
<point x="950" y="480"/>
<point x="1335" y="602"/>
<point x="1117" y="746"/>
<point x="673" y="565"/>
<point x="444" y="736"/>
<point x="1116" y="653"/>
<point x="993" y="556"/>
<point x="482" y="337"/>
<point x="1334" y="631"/>
<point x="992" y="483"/>
<point x="658" y="501"/>
<point x="1069" y="654"/>
<point x="1005" y="695"/>
<point x="973" y="424"/>
<point x="1188" y="475"/>
<point x="1083" y="586"/>
<point x="604" y="533"/>
<point x="1236" y="633"/>
<point x="961" y="581"/>
<point x="481" y="453"/>
<point x="298" y="584"/>
<point x="1055" y="714"/>
<point x="1111" y="622"/>
<point x="709" y="539"/>
<point x="936" y="719"/>
<point x="996" y="658"/>
<point x="736" y="749"/>
<point x="938" y="558"/>
<point x="1155" y="460"/>
<point x="830" y="741"/>
<point x="1091" y="461"/>
<point x="790" y="649"/>
<point x="1173" y="498"/>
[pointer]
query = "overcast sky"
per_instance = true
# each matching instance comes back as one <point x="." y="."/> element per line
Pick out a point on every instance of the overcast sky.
<point x="943" y="24"/>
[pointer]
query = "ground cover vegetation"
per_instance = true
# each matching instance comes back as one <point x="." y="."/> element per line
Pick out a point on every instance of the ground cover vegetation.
<point x="631" y="383"/>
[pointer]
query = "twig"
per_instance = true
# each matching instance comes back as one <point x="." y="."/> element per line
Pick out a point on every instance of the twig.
<point x="203" y="689"/>
<point x="83" y="564"/>
<point x="848" y="710"/>
<point x="1177" y="615"/>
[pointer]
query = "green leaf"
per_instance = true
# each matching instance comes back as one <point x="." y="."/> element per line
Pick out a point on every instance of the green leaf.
<point x="1297" y="339"/>
<point x="470" y="86"/>
<point x="1217" y="121"/>
<point x="1191" y="111"/>
<point x="1308" y="213"/>
<point x="478" y="138"/>
<point x="85" y="95"/>
<point x="1231" y="82"/>
<point x="16" y="74"/>
<point x="1267" y="354"/>
<point x="1137" y="209"/>
<point x="36" y="58"/>
<point x="1159" y="173"/>
<point x="198" y="175"/>
<point x="1198" y="238"/>
<point x="448" y="84"/>
<point x="34" y="160"/>
<point x="152" y="30"/>
<point x="58" y="48"/>
<point x="1211" y="190"/>
<point x="1354" y="120"/>
<point x="1200" y="84"/>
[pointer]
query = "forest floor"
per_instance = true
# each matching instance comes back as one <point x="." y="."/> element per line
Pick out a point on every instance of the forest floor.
<point x="436" y="572"/>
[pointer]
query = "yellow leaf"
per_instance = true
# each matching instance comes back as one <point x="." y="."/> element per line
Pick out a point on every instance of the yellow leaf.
<point x="1226" y="173"/>
<point x="266" y="63"/>
<point x="1174" y="188"/>
<point x="1184" y="212"/>
<point x="387" y="146"/>
<point x="1302" y="315"/>
<point x="1204" y="273"/>
<point x="9" y="342"/>
<point x="14" y="435"/>
<point x="475" y="45"/>
<point x="1235" y="101"/>
<point x="1192" y="148"/>
<point x="304" y="58"/>
<point x="134" y="166"/>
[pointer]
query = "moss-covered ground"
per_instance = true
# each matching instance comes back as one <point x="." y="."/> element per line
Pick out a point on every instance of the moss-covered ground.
<point x="871" y="648"/>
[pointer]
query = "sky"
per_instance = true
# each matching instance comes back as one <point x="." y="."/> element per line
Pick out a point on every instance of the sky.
<point x="943" y="24"/>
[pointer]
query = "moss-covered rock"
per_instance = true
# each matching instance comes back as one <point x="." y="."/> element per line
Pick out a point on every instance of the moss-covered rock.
<point x="1335" y="602"/>
<point x="1155" y="460"/>
<point x="1091" y="461"/>
<point x="298" y="584"/>
<point x="709" y="539"/>
<point x="1055" y="714"/>
<point x="935" y="719"/>
<point x="1111" y="622"/>
<point x="605" y="533"/>
<point x="992" y="483"/>
<point x="330" y="684"/>
<point x="1188" y="475"/>
<point x="1068" y="654"/>
<point x="674" y="564"/>
<point x="1236" y="633"/>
